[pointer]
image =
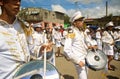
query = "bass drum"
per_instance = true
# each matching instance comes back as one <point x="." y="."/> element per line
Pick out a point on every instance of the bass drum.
<point x="34" y="70"/>
<point x="96" y="59"/>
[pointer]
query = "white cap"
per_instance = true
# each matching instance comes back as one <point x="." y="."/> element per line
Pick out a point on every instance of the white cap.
<point x="109" y="24"/>
<point x="88" y="26"/>
<point x="86" y="31"/>
<point x="99" y="28"/>
<point x="37" y="25"/>
<point x="76" y="15"/>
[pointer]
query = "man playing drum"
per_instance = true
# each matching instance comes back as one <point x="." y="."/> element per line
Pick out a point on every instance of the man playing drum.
<point x="75" y="47"/>
<point x="15" y="40"/>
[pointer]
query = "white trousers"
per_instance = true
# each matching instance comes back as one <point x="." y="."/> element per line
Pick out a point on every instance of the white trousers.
<point x="82" y="72"/>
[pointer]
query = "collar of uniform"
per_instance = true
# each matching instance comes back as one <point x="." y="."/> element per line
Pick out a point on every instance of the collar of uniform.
<point x="3" y="22"/>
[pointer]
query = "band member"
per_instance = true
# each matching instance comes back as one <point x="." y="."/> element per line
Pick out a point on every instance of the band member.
<point x="16" y="44"/>
<point x="37" y="36"/>
<point x="116" y="39"/>
<point x="108" y="43"/>
<point x="99" y="38"/>
<point x="57" y="36"/>
<point x="75" y="48"/>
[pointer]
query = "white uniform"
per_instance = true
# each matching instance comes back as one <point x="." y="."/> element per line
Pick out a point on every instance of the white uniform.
<point x="107" y="41"/>
<point x="75" y="50"/>
<point x="57" y="37"/>
<point x="98" y="39"/>
<point x="116" y="38"/>
<point x="15" y="48"/>
<point x="38" y="41"/>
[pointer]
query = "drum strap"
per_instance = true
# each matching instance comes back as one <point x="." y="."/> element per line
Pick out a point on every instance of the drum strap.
<point x="111" y="34"/>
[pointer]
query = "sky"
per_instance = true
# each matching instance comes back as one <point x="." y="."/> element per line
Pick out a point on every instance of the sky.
<point x="88" y="8"/>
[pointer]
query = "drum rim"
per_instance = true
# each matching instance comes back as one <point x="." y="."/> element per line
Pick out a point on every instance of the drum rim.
<point x="90" y="66"/>
<point x="33" y="62"/>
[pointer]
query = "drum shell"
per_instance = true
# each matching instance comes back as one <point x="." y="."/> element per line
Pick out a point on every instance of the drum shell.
<point x="49" y="55"/>
<point x="96" y="59"/>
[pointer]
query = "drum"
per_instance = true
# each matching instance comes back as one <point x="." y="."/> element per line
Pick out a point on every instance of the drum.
<point x="49" y="55"/>
<point x="117" y="45"/>
<point x="96" y="59"/>
<point x="35" y="69"/>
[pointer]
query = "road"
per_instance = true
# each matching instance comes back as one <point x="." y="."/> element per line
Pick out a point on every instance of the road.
<point x="67" y="69"/>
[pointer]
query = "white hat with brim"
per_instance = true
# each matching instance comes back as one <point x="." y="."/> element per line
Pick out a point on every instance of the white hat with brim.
<point x="37" y="25"/>
<point x="109" y="24"/>
<point x="77" y="15"/>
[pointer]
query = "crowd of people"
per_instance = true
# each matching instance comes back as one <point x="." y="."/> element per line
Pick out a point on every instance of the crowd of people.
<point x="20" y="44"/>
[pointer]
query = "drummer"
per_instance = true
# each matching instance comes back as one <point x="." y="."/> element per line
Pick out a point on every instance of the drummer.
<point x="16" y="41"/>
<point x="75" y="47"/>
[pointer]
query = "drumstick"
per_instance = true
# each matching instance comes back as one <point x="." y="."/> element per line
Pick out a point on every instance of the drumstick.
<point x="26" y="74"/>
<point x="44" y="76"/>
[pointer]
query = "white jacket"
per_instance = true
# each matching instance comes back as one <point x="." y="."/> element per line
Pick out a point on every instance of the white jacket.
<point x="75" y="47"/>
<point x="15" y="48"/>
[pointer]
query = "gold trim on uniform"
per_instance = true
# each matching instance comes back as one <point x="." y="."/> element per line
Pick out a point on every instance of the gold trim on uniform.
<point x="6" y="34"/>
<point x="10" y="43"/>
<point x="71" y="35"/>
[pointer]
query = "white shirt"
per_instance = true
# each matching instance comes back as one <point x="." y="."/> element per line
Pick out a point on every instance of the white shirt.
<point x="75" y="47"/>
<point x="15" y="48"/>
<point x="107" y="38"/>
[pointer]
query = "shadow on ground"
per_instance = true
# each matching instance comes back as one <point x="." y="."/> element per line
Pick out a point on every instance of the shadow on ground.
<point x="112" y="77"/>
<point x="68" y="77"/>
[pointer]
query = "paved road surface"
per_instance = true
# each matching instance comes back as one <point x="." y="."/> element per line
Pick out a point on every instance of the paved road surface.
<point x="66" y="68"/>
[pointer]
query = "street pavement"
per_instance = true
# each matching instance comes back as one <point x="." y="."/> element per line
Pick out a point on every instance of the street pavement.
<point x="67" y="69"/>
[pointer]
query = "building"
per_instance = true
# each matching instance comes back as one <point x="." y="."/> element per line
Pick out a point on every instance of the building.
<point x="101" y="22"/>
<point x="48" y="18"/>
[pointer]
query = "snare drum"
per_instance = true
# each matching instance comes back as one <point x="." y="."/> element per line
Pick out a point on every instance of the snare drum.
<point x="34" y="70"/>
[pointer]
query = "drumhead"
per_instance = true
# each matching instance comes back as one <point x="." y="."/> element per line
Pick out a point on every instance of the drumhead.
<point x="35" y="69"/>
<point x="96" y="60"/>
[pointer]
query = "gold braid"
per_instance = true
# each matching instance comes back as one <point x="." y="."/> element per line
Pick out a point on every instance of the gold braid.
<point x="27" y="30"/>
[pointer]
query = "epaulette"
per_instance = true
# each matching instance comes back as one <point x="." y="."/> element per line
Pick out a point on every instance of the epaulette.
<point x="71" y="33"/>
<point x="27" y="30"/>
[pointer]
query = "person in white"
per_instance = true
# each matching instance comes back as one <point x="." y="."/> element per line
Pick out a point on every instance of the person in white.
<point x="16" y="43"/>
<point x="116" y="36"/>
<point x="38" y="37"/>
<point x="108" y="43"/>
<point x="57" y="36"/>
<point x="75" y="47"/>
<point x="89" y="40"/>
<point x="99" y="38"/>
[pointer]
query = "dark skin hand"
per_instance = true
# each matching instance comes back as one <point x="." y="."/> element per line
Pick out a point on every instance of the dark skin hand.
<point x="48" y="47"/>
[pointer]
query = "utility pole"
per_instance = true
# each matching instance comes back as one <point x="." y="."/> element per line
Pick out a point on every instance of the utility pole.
<point x="106" y="8"/>
<point x="77" y="5"/>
